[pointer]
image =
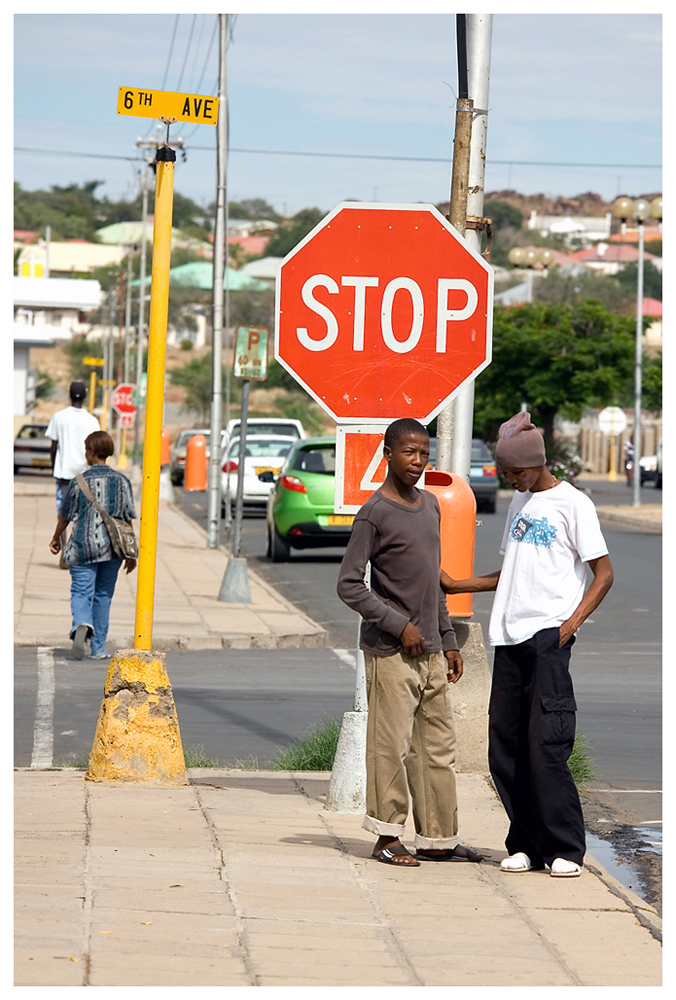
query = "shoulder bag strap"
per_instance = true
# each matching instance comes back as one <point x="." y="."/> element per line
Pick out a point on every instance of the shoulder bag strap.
<point x="82" y="483"/>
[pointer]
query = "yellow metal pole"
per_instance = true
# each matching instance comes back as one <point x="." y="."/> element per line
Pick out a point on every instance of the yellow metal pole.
<point x="612" y="475"/>
<point x="92" y="391"/>
<point x="152" y="443"/>
<point x="122" y="456"/>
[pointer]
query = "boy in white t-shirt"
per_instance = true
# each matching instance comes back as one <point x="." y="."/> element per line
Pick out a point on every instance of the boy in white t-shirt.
<point x="552" y="534"/>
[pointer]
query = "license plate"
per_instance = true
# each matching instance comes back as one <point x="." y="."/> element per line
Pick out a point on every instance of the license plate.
<point x="44" y="463"/>
<point x="335" y="519"/>
<point x="265" y="468"/>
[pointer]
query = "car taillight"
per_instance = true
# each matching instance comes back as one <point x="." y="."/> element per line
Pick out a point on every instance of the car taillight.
<point x="230" y="466"/>
<point x="293" y="483"/>
<point x="490" y="470"/>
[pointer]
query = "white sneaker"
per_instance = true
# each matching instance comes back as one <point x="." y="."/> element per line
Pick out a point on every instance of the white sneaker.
<point x="516" y="863"/>
<point x="562" y="868"/>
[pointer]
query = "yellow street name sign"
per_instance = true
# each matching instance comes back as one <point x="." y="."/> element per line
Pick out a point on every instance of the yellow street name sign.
<point x="167" y="106"/>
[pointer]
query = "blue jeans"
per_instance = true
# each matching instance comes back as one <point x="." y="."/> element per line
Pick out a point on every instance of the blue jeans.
<point x="91" y="591"/>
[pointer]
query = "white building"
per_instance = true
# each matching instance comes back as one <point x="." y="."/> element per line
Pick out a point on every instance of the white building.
<point x="46" y="310"/>
<point x="587" y="227"/>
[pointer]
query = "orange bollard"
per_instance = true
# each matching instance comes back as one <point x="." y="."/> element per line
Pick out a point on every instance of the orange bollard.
<point x="195" y="476"/>
<point x="458" y="523"/>
<point x="165" y="456"/>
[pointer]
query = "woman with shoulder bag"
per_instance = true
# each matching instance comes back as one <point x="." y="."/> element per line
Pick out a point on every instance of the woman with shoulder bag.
<point x="90" y="553"/>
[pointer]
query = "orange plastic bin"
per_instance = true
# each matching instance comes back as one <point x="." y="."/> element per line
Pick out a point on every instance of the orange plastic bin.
<point x="165" y="453"/>
<point x="195" y="475"/>
<point x="457" y="504"/>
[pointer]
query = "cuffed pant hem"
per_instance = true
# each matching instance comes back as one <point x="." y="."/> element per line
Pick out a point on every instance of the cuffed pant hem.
<point x="90" y="630"/>
<point x="433" y="844"/>
<point x="376" y="826"/>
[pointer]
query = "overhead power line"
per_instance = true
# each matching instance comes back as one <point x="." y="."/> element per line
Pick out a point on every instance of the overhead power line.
<point x="352" y="156"/>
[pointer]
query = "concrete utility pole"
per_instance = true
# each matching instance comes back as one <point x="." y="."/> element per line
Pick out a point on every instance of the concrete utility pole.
<point x="454" y="425"/>
<point x="220" y="262"/>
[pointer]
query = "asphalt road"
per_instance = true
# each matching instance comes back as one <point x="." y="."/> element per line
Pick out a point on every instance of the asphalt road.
<point x="616" y="662"/>
<point x="246" y="704"/>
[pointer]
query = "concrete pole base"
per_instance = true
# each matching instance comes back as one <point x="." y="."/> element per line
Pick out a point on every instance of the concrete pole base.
<point x="137" y="738"/>
<point x="470" y="699"/>
<point x="347" y="788"/>
<point x="235" y="586"/>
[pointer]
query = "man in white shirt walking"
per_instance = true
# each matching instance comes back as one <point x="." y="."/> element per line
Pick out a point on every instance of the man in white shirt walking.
<point x="68" y="429"/>
<point x="552" y="534"/>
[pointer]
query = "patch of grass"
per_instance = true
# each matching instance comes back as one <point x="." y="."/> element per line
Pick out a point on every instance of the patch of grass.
<point x="581" y="763"/>
<point x="72" y="760"/>
<point x="249" y="763"/>
<point x="195" y="757"/>
<point x="314" y="752"/>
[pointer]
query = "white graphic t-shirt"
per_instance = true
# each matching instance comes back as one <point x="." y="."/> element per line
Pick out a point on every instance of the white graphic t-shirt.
<point x="548" y="538"/>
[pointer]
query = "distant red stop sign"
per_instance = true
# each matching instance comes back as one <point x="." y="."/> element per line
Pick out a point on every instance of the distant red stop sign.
<point x="123" y="398"/>
<point x="383" y="311"/>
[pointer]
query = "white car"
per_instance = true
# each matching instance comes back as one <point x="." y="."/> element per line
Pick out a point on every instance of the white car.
<point x="265" y="454"/>
<point x="286" y="426"/>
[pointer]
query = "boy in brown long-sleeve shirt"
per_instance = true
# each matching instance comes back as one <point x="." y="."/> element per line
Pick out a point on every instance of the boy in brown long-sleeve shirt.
<point x="411" y="654"/>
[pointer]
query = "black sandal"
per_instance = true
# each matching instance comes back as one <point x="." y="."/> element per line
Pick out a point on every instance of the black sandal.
<point x="459" y="853"/>
<point x="388" y="854"/>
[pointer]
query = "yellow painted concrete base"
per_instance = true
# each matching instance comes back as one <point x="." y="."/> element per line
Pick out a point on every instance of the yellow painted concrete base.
<point x="137" y="737"/>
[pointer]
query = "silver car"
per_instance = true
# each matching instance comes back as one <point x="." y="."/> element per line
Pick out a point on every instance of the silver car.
<point x="32" y="448"/>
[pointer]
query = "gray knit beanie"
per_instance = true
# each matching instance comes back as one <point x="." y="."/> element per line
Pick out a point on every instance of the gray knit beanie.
<point x="520" y="444"/>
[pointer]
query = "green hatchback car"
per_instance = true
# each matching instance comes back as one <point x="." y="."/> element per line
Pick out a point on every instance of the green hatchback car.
<point x="300" y="511"/>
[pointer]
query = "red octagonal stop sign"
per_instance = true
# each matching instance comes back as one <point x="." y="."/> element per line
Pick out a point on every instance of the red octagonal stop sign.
<point x="383" y="311"/>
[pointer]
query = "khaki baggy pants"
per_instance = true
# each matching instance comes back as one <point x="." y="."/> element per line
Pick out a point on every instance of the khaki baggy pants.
<point x="410" y="747"/>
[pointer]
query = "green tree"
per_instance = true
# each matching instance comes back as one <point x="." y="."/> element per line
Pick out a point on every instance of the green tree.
<point x="252" y="208"/>
<point x="290" y="233"/>
<point x="556" y="359"/>
<point x="196" y="379"/>
<point x="627" y="278"/>
<point x="504" y="215"/>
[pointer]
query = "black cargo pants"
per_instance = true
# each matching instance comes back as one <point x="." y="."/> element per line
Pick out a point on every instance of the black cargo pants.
<point x="531" y="732"/>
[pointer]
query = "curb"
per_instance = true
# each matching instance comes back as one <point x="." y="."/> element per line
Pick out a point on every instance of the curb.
<point x="624" y="521"/>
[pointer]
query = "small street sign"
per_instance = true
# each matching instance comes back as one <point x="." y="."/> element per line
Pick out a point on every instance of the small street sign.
<point x="612" y="420"/>
<point x="251" y="352"/>
<point x="99" y="362"/>
<point x="127" y="420"/>
<point x="167" y="106"/>
<point x="360" y="466"/>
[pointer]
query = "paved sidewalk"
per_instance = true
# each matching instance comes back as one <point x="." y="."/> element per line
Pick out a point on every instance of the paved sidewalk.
<point x="244" y="879"/>
<point x="187" y="613"/>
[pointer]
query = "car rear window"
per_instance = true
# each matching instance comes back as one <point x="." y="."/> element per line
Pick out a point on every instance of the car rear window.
<point x="262" y="449"/>
<point x="317" y="459"/>
<point x="185" y="436"/>
<point x="480" y="452"/>
<point x="31" y="432"/>
<point x="288" y="430"/>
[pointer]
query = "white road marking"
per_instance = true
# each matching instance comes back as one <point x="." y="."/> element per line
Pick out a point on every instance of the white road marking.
<point x="630" y="791"/>
<point x="347" y="657"/>
<point x="43" y="731"/>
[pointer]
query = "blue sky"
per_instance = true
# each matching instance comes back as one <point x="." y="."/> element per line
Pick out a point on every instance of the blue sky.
<point x="565" y="88"/>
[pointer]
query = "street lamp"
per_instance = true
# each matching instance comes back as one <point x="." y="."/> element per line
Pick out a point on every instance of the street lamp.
<point x="624" y="209"/>
<point x="527" y="259"/>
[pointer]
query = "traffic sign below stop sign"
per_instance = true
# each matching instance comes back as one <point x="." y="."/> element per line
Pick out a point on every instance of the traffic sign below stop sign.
<point x="383" y="311"/>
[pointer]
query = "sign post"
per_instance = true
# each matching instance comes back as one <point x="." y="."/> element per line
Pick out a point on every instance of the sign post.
<point x="383" y="311"/>
<point x="169" y="108"/>
<point x="140" y="740"/>
<point x="612" y="421"/>
<point x="124" y="406"/>
<point x="250" y="361"/>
